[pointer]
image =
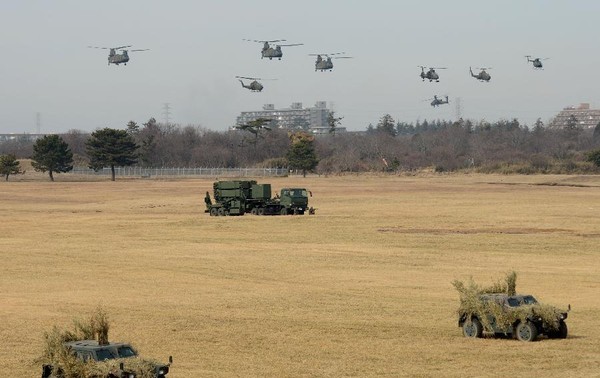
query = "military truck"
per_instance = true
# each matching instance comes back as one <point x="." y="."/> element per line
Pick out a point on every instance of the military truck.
<point x="111" y="360"/>
<point x="241" y="197"/>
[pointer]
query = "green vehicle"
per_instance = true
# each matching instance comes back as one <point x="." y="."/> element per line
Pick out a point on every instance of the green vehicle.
<point x="112" y="360"/>
<point x="241" y="197"/>
<point x="518" y="316"/>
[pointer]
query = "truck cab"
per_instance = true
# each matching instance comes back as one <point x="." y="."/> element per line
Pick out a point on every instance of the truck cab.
<point x="294" y="200"/>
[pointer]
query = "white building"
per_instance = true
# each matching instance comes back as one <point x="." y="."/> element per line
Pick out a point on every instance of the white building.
<point x="295" y="117"/>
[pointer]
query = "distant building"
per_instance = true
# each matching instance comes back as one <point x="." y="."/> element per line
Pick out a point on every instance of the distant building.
<point x="24" y="137"/>
<point x="295" y="117"/>
<point x="582" y="116"/>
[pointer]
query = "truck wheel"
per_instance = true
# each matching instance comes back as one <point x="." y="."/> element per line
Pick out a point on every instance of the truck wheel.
<point x="283" y="211"/>
<point x="526" y="331"/>
<point x="472" y="328"/>
<point x="254" y="211"/>
<point x="221" y="212"/>
<point x="214" y="212"/>
<point x="260" y="211"/>
<point x="560" y="333"/>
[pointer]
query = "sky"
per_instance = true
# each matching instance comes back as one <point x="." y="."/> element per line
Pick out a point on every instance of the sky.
<point x="197" y="49"/>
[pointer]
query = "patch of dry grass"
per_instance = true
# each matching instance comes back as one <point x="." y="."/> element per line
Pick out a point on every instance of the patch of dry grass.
<point x="324" y="295"/>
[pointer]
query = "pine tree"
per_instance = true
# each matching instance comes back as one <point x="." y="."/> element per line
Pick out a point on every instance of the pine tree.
<point x="52" y="154"/>
<point x="111" y="148"/>
<point x="301" y="154"/>
<point x="9" y="165"/>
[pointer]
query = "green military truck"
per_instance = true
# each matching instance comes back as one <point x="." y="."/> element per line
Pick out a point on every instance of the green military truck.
<point x="241" y="197"/>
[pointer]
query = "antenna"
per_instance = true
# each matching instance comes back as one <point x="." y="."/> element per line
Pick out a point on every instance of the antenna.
<point x="167" y="112"/>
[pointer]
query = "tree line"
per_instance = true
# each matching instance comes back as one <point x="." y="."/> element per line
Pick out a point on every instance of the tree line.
<point x="505" y="146"/>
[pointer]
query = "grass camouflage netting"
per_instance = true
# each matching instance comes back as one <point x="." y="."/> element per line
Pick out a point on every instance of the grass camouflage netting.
<point x="471" y="304"/>
<point x="96" y="327"/>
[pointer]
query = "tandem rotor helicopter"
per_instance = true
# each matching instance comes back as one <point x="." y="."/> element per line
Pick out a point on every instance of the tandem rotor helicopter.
<point x="269" y="52"/>
<point x="431" y="75"/>
<point x="254" y="86"/>
<point x="437" y="101"/>
<point x="327" y="64"/>
<point x="537" y="62"/>
<point x="482" y="75"/>
<point x="115" y="58"/>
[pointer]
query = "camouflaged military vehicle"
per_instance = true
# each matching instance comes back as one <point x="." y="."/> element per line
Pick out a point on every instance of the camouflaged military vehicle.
<point x="517" y="316"/>
<point x="111" y="360"/>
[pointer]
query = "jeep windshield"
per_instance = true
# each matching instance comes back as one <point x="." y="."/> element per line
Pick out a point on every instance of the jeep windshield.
<point x="521" y="300"/>
<point x="104" y="354"/>
<point x="125" y="352"/>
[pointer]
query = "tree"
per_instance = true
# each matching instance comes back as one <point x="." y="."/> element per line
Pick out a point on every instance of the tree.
<point x="9" y="165"/>
<point x="594" y="157"/>
<point x="51" y="153"/>
<point x="109" y="148"/>
<point x="386" y="125"/>
<point x="333" y="122"/>
<point x="301" y="154"/>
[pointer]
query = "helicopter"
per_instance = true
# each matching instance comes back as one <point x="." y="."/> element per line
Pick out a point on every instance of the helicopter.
<point x="269" y="52"/>
<point x="431" y="75"/>
<point x="537" y="62"/>
<point x="482" y="76"/>
<point x="254" y="86"/>
<point x="437" y="101"/>
<point x="115" y="58"/>
<point x="254" y="127"/>
<point x="327" y="64"/>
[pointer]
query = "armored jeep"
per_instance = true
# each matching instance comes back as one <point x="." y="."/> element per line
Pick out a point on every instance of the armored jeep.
<point x="111" y="360"/>
<point x="519" y="316"/>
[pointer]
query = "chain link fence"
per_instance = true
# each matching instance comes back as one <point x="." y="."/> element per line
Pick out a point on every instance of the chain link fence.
<point x="158" y="172"/>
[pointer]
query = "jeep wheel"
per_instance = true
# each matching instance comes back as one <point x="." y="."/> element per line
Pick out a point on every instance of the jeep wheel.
<point x="260" y="211"/>
<point x="221" y="212"/>
<point x="214" y="211"/>
<point x="526" y="331"/>
<point x="472" y="328"/>
<point x="283" y="211"/>
<point x="254" y="211"/>
<point x="560" y="333"/>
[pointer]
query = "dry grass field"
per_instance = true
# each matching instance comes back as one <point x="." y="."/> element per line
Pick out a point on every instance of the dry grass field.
<point x="363" y="288"/>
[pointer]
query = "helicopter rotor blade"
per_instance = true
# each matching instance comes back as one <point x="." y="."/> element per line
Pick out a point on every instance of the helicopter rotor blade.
<point x="121" y="47"/>
<point x="343" y="57"/>
<point x="97" y="47"/>
<point x="138" y="50"/>
<point x="438" y="68"/>
<point x="259" y="41"/>
<point x="292" y="44"/>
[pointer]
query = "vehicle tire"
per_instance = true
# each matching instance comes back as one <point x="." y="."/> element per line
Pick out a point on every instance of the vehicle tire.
<point x="222" y="212"/>
<point x="214" y="211"/>
<point x="526" y="331"/>
<point x="561" y="332"/>
<point x="254" y="211"/>
<point x="261" y="211"/>
<point x="472" y="328"/>
<point x="283" y="211"/>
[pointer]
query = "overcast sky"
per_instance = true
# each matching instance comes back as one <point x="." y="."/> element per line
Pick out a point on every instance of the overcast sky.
<point x="196" y="50"/>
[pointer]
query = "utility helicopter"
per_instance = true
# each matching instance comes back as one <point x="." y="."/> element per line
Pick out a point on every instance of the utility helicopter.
<point x="115" y="58"/>
<point x="437" y="101"/>
<point x="254" y="86"/>
<point x="269" y="52"/>
<point x="482" y="75"/>
<point x="431" y="75"/>
<point x="537" y="62"/>
<point x="327" y="64"/>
